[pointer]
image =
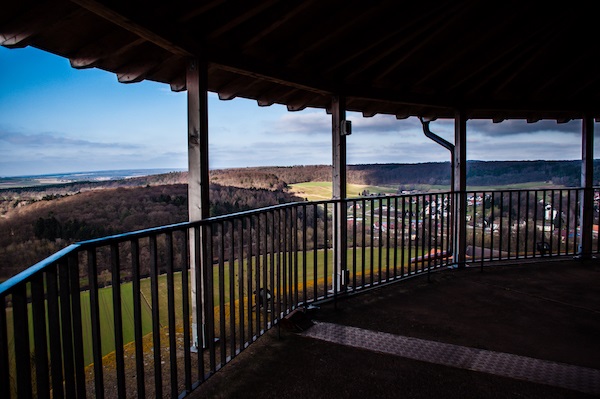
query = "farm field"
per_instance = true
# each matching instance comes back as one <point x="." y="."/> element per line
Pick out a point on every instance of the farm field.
<point x="318" y="191"/>
<point x="368" y="262"/>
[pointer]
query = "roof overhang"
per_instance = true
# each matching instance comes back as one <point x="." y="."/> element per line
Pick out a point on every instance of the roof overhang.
<point x="512" y="60"/>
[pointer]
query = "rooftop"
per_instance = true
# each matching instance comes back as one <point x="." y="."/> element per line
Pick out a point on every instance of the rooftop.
<point x="512" y="331"/>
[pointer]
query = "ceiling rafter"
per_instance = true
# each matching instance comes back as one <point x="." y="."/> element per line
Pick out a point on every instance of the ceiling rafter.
<point x="132" y="26"/>
<point x="277" y="23"/>
<point x="407" y="34"/>
<point x="240" y="18"/>
<point x="19" y="35"/>
<point x="91" y="55"/>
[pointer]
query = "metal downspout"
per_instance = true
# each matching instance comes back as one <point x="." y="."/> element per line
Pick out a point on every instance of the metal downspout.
<point x="450" y="147"/>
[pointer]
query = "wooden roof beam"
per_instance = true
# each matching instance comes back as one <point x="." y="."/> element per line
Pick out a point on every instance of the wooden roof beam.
<point x="280" y="21"/>
<point x="243" y="16"/>
<point x="89" y="56"/>
<point x="20" y="34"/>
<point x="132" y="26"/>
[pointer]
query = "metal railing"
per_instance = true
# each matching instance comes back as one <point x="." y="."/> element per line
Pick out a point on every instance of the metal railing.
<point x="94" y="316"/>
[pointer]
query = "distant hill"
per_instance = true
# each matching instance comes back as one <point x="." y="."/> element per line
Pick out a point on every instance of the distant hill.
<point x="479" y="173"/>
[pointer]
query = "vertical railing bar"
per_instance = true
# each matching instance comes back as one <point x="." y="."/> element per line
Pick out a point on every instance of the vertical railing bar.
<point x="387" y="242"/>
<point x="354" y="257"/>
<point x="578" y="237"/>
<point x="40" y="338"/>
<point x="510" y="223"/>
<point x="417" y="231"/>
<point x="137" y="318"/>
<point x="274" y="254"/>
<point x="527" y="224"/>
<point x="289" y="254"/>
<point x="288" y="275"/>
<point x="410" y="229"/>
<point x="66" y="329"/>
<point x="4" y="362"/>
<point x="240" y="282"/>
<point x="551" y="223"/>
<point x="429" y="252"/>
<point x="424" y="226"/>
<point x="221" y="276"/>
<point x="437" y="199"/>
<point x="171" y="314"/>
<point x="257" y="274"/>
<point x="294" y="211"/>
<point x="315" y="252"/>
<point x="518" y="233"/>
<point x="335" y="241"/>
<point x="474" y="228"/>
<point x="209" y="297"/>
<point x="204" y="299"/>
<point x="326" y="252"/>
<point x="73" y="264"/>
<point x="492" y="219"/>
<point x="304" y="260"/>
<point x="54" y="332"/>
<point x="535" y="221"/>
<point x="483" y="225"/>
<point x="380" y="242"/>
<point x="439" y="228"/>
<point x="265" y="274"/>
<point x="155" y="317"/>
<point x="395" y="256"/>
<point x="372" y="242"/>
<point x="560" y="220"/>
<point x="117" y="318"/>
<point x="568" y="221"/>
<point x="185" y="305"/>
<point x="232" y="300"/>
<point x="21" y="339"/>
<point x="95" y="319"/>
<point x="501" y="237"/>
<point x="363" y="255"/>
<point x="280" y="229"/>
<point x="403" y="248"/>
<point x="544" y="193"/>
<point x="249" y="271"/>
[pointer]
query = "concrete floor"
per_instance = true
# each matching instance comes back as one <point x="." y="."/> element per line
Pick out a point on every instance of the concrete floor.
<point x="547" y="313"/>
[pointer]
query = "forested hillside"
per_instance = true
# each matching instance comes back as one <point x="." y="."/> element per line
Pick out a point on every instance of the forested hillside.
<point x="34" y="231"/>
<point x="479" y="173"/>
<point x="37" y="221"/>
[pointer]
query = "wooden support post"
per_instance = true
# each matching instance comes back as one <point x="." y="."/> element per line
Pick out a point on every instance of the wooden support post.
<point x="340" y="244"/>
<point x="586" y="210"/>
<point x="460" y="186"/>
<point x="198" y="180"/>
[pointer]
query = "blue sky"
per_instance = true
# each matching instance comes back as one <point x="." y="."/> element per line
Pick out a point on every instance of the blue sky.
<point x="55" y="119"/>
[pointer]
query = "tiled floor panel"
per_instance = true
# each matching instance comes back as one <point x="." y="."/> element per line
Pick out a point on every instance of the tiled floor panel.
<point x="577" y="378"/>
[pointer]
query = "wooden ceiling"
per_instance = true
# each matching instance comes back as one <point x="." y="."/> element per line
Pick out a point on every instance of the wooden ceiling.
<point x="493" y="60"/>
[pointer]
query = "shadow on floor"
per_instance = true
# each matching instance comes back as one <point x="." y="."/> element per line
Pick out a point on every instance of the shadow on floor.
<point x="548" y="311"/>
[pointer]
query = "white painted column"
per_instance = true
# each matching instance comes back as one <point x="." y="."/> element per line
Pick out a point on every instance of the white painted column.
<point x="198" y="179"/>
<point x="586" y="210"/>
<point x="460" y="186"/>
<point x="340" y="243"/>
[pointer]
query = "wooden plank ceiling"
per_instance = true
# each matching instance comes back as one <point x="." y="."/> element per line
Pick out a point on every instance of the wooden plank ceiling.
<point x="500" y="60"/>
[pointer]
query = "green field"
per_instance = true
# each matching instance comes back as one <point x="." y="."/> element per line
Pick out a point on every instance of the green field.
<point x="106" y="302"/>
<point x="318" y="191"/>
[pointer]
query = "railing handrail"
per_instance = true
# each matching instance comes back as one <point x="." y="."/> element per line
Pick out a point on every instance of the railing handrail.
<point x="83" y="245"/>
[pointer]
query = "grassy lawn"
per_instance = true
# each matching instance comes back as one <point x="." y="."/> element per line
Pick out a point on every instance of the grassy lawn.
<point x="319" y="273"/>
<point x="318" y="191"/>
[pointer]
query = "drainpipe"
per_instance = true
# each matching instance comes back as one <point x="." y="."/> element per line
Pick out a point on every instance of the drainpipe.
<point x="450" y="147"/>
<point x="444" y="143"/>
